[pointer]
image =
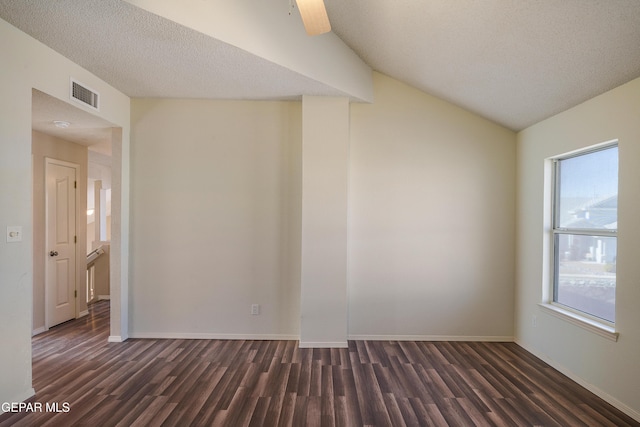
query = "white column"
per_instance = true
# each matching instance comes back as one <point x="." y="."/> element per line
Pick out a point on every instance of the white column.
<point x="97" y="208"/>
<point x="100" y="211"/>
<point x="325" y="162"/>
<point x="103" y="215"/>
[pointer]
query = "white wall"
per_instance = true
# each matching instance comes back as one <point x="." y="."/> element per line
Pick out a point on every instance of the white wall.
<point x="606" y="367"/>
<point x="431" y="226"/>
<point x="215" y="218"/>
<point x="27" y="64"/>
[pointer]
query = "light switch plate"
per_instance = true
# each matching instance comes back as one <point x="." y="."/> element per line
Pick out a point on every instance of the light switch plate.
<point x="14" y="233"/>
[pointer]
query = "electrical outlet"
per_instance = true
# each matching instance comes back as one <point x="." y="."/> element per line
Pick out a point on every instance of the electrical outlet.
<point x="255" y="309"/>
<point x="534" y="321"/>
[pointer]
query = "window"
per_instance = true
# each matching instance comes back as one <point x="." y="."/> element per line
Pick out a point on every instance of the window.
<point x="585" y="225"/>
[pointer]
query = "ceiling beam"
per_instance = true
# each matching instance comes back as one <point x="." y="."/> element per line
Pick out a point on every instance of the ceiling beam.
<point x="273" y="31"/>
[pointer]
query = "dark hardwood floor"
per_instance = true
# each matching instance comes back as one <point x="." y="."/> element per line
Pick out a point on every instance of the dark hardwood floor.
<point x="268" y="383"/>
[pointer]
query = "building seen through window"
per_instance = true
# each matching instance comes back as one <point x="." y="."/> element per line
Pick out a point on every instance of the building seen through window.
<point x="585" y="232"/>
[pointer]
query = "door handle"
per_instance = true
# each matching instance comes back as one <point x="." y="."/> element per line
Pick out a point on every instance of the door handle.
<point x="53" y="253"/>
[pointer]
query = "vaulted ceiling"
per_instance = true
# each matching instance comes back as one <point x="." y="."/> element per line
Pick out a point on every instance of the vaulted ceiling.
<point x="515" y="62"/>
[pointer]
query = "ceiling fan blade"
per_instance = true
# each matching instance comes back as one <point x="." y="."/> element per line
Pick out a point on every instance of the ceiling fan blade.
<point x="314" y="16"/>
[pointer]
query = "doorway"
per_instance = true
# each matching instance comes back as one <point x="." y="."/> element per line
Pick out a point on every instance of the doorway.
<point x="80" y="136"/>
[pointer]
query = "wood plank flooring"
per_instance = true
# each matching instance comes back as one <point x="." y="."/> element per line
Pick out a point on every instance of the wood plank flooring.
<point x="274" y="383"/>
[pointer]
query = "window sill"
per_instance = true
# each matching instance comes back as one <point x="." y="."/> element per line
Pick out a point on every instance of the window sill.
<point x="583" y="322"/>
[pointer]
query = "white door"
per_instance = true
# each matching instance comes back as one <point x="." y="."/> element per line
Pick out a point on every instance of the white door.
<point x="60" y="275"/>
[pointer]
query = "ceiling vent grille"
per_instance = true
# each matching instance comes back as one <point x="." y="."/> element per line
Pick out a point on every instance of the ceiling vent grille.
<point x="85" y="95"/>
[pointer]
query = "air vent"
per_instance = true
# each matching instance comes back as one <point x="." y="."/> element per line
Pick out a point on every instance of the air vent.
<point x="85" y="95"/>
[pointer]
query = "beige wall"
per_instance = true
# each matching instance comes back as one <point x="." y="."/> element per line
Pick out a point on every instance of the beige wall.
<point x="608" y="368"/>
<point x="91" y="233"/>
<point x="27" y="64"/>
<point x="48" y="146"/>
<point x="216" y="226"/>
<point x="431" y="225"/>
<point x="216" y="196"/>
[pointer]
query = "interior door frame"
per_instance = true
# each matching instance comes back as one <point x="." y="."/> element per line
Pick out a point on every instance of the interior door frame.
<point x="52" y="161"/>
<point x="120" y="216"/>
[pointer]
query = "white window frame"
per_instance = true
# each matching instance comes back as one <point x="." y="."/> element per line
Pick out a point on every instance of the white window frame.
<point x="584" y="320"/>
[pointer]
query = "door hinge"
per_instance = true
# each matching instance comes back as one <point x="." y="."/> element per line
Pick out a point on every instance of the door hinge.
<point x="75" y="239"/>
<point x="75" y="294"/>
<point x="75" y="184"/>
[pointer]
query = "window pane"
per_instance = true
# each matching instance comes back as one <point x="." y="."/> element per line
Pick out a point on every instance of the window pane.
<point x="588" y="191"/>
<point x="586" y="274"/>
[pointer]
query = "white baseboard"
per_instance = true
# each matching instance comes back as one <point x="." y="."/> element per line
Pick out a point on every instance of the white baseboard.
<point x="592" y="388"/>
<point x="115" y="338"/>
<point x="323" y="344"/>
<point x="313" y="344"/>
<point x="83" y="313"/>
<point x="490" y="338"/>
<point x="38" y="331"/>
<point x="104" y="297"/>
<point x="21" y="398"/>
<point x="212" y="336"/>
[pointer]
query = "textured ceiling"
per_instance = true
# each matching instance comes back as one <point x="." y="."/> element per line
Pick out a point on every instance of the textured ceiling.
<point x="84" y="129"/>
<point x="144" y="55"/>
<point x="513" y="61"/>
